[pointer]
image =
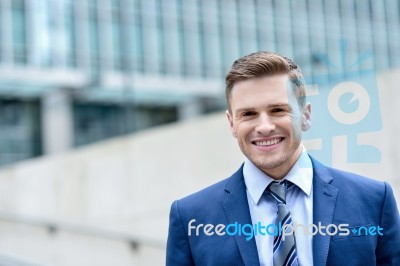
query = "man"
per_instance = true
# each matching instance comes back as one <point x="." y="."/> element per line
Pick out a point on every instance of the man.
<point x="282" y="207"/>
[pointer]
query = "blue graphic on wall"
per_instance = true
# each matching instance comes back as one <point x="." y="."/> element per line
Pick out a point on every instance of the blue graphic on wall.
<point x="344" y="103"/>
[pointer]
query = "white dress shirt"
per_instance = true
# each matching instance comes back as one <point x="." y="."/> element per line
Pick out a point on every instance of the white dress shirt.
<point x="299" y="200"/>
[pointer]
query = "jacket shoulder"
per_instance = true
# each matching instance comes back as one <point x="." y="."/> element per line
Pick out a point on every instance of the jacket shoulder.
<point x="355" y="188"/>
<point x="346" y="180"/>
<point x="350" y="180"/>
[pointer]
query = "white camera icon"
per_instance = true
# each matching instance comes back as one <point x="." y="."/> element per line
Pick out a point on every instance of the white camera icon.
<point x="359" y="93"/>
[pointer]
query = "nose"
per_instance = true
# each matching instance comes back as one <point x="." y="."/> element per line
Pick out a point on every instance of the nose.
<point x="264" y="124"/>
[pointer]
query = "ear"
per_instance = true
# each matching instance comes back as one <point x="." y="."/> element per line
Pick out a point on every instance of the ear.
<point x="230" y="121"/>
<point x="306" y="117"/>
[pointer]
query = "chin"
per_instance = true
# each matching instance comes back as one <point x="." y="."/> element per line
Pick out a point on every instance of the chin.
<point x="269" y="165"/>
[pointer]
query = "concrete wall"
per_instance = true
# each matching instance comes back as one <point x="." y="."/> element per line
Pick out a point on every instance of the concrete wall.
<point x="108" y="204"/>
<point x="121" y="187"/>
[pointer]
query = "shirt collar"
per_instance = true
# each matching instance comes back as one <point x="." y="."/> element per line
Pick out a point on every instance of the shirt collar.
<point x="257" y="181"/>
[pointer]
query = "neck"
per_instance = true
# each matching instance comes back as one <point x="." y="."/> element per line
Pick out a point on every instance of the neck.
<point x="282" y="170"/>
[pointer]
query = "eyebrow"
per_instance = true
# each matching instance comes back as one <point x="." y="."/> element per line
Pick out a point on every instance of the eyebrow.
<point x="243" y="110"/>
<point x="279" y="105"/>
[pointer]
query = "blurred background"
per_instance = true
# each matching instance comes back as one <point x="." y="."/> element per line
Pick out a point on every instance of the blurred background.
<point x="111" y="109"/>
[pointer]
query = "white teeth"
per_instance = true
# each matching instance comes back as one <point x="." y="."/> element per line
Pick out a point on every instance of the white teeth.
<point x="267" y="142"/>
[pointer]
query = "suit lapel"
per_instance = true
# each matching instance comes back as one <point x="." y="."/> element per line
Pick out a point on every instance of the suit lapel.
<point x="237" y="210"/>
<point x="324" y="200"/>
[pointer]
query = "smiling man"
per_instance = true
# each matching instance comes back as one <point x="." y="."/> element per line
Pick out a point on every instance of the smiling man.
<point x="268" y="122"/>
<point x="281" y="207"/>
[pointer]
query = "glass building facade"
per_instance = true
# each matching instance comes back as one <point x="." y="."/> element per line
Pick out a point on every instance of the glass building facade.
<point x="125" y="65"/>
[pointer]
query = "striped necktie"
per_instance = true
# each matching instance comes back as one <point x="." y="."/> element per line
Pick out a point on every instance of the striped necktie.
<point x="284" y="249"/>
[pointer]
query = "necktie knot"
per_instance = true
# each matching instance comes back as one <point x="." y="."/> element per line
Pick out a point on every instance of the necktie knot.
<point x="278" y="191"/>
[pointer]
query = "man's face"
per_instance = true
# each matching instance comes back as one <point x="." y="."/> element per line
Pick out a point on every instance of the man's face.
<point x="267" y="121"/>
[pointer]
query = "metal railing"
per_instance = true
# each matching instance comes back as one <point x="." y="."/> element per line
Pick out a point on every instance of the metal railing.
<point x="87" y="230"/>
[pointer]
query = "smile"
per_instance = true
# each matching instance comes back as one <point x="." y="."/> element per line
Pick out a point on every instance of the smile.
<point x="269" y="142"/>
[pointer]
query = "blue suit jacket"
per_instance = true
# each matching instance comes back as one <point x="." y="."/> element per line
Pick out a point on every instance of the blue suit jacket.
<point x="339" y="197"/>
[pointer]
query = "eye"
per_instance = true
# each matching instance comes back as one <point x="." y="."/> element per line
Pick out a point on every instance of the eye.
<point x="277" y="110"/>
<point x="249" y="113"/>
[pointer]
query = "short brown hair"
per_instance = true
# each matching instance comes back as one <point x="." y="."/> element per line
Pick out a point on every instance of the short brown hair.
<point x="261" y="64"/>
